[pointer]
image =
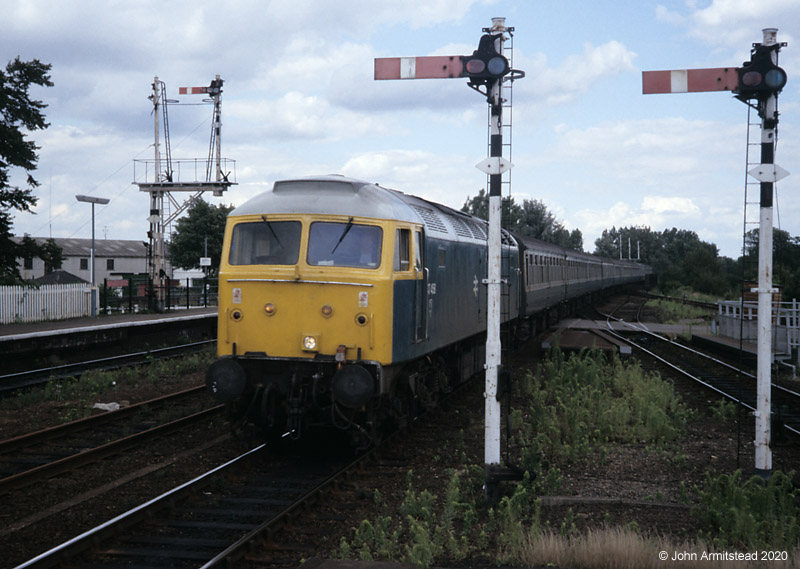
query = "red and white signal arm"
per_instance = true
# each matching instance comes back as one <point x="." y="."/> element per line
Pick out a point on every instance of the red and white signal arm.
<point x="689" y="80"/>
<point x="192" y="90"/>
<point x="427" y="67"/>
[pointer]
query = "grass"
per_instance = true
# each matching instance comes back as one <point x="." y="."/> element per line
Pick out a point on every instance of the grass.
<point x="569" y="408"/>
<point x="672" y="312"/>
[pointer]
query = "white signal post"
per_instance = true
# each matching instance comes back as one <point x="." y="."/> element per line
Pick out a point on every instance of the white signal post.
<point x="491" y="76"/>
<point x="765" y="81"/>
<point x="494" y="166"/>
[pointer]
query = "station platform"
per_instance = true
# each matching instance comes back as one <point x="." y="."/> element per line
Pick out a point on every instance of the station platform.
<point x="22" y="331"/>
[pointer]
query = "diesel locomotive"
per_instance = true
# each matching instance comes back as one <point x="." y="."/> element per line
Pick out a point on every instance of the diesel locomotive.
<point x="344" y="304"/>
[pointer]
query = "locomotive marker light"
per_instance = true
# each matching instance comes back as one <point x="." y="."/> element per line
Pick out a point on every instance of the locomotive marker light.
<point x="760" y="79"/>
<point x="486" y="70"/>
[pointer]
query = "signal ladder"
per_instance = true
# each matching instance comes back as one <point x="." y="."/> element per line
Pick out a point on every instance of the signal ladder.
<point x="507" y="90"/>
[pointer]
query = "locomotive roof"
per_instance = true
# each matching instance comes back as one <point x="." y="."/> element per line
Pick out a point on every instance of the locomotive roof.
<point x="333" y="195"/>
<point x="338" y="195"/>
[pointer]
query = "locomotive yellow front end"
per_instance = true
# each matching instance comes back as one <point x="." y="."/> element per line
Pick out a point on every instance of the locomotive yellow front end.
<point x="305" y="308"/>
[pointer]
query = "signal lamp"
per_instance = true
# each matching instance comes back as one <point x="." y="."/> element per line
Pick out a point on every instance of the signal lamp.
<point x="760" y="77"/>
<point x="327" y="310"/>
<point x="270" y="309"/>
<point x="486" y="64"/>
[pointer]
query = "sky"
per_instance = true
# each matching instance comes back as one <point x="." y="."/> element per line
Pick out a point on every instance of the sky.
<point x="299" y="99"/>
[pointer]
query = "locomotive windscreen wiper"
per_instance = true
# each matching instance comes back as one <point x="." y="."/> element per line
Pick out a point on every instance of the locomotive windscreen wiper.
<point x="271" y="230"/>
<point x="345" y="232"/>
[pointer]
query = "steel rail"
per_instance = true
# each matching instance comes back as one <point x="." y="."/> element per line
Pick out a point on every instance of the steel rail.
<point x="74" y="461"/>
<point x="64" y="429"/>
<point x="72" y="547"/>
<point x="13" y="381"/>
<point x="684" y="372"/>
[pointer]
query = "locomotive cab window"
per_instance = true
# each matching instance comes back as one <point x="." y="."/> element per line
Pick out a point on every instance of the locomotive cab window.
<point x="402" y="250"/>
<point x="265" y="243"/>
<point x="347" y="244"/>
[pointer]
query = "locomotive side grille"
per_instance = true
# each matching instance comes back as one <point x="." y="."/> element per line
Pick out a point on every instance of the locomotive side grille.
<point x="477" y="230"/>
<point x="432" y="221"/>
<point x="460" y="227"/>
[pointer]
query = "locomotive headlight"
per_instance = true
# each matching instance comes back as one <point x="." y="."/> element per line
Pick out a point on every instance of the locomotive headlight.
<point x="269" y="308"/>
<point x="309" y="343"/>
<point x="327" y="310"/>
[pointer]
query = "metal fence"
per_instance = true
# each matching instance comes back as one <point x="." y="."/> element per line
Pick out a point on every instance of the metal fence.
<point x="137" y="294"/>
<point x="46" y="302"/>
<point x="739" y="320"/>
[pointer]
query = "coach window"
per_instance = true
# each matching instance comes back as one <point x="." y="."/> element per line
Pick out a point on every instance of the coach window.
<point x="402" y="250"/>
<point x="265" y="242"/>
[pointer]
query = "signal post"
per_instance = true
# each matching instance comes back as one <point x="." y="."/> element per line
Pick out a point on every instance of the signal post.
<point x="486" y="69"/>
<point x="759" y="80"/>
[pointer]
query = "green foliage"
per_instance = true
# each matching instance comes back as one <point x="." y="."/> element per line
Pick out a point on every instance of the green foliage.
<point x="203" y="225"/>
<point x="724" y="410"/>
<point x="785" y="258"/>
<point x="678" y="256"/>
<point x="751" y="513"/>
<point x="670" y="311"/>
<point x="18" y="114"/>
<point x="531" y="219"/>
<point x="574" y="404"/>
<point x="426" y="527"/>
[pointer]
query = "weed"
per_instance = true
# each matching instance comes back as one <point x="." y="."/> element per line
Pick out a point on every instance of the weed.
<point x="751" y="513"/>
<point x="724" y="410"/>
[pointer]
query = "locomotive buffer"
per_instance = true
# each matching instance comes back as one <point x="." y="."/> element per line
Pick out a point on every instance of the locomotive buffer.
<point x="759" y="80"/>
<point x="486" y="70"/>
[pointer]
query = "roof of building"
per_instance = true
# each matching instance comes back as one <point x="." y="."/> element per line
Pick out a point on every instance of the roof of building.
<point x="59" y="277"/>
<point x="103" y="247"/>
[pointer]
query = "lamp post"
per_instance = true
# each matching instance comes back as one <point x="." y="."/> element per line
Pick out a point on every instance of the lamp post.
<point x="92" y="200"/>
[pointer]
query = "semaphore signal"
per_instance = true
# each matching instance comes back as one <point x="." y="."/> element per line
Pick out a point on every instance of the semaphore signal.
<point x="486" y="68"/>
<point x="759" y="80"/>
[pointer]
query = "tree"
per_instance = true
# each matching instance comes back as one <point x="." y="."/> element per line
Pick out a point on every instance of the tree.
<point x="203" y="224"/>
<point x="19" y="113"/>
<point x="52" y="255"/>
<point x="678" y="257"/>
<point x="531" y="219"/>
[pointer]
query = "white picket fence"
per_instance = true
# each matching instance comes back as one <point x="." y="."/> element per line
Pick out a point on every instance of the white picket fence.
<point x="47" y="302"/>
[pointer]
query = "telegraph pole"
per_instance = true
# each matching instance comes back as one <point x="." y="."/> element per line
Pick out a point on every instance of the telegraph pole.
<point x="759" y="80"/>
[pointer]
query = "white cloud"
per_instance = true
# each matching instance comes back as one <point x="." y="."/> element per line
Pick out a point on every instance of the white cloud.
<point x="575" y="75"/>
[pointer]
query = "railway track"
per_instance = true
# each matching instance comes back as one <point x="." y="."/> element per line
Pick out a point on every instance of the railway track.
<point x="257" y="508"/>
<point x="37" y="456"/>
<point x="724" y="379"/>
<point x="12" y="382"/>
